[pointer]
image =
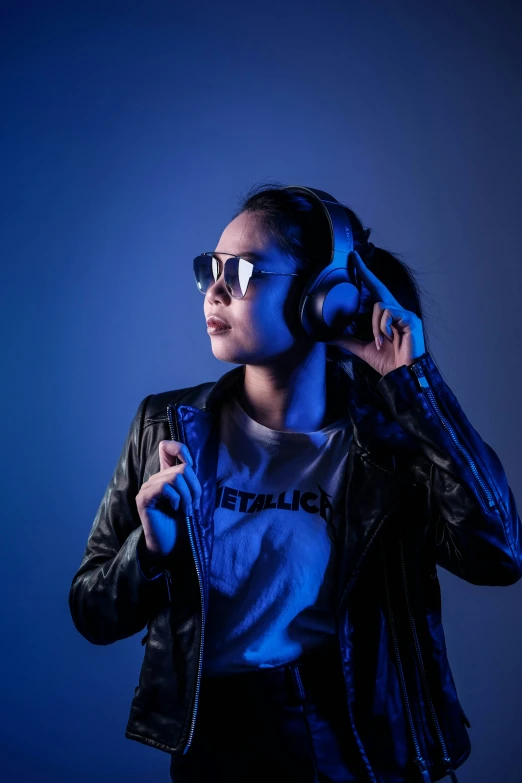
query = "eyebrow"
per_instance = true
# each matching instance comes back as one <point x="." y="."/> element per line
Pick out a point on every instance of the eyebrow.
<point x="252" y="255"/>
<point x="249" y="255"/>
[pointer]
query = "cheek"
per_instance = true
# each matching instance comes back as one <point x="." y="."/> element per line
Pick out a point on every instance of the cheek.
<point x="266" y="318"/>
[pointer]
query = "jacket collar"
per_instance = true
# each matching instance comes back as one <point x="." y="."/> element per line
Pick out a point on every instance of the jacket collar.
<point x="374" y="431"/>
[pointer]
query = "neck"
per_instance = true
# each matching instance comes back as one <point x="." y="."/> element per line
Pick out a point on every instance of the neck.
<point x="289" y="397"/>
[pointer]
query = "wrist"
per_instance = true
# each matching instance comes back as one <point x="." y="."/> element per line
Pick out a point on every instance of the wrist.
<point x="150" y="552"/>
<point x="150" y="560"/>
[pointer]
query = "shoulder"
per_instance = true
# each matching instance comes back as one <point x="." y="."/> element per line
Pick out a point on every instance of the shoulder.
<point x="153" y="407"/>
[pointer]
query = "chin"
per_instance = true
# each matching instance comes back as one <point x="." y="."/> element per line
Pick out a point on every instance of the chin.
<point x="228" y="355"/>
<point x="260" y="354"/>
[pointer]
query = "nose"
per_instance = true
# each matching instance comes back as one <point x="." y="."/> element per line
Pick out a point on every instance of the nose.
<point x="217" y="292"/>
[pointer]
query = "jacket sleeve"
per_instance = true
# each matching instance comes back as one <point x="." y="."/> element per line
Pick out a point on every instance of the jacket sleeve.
<point x="477" y="532"/>
<point x="115" y="589"/>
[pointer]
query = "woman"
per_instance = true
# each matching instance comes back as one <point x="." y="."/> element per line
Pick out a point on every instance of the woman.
<point x="278" y="531"/>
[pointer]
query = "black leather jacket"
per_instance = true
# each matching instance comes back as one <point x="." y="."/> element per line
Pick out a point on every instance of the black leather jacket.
<point x="422" y="488"/>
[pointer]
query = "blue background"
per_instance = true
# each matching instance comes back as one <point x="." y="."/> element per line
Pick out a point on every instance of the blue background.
<point x="129" y="131"/>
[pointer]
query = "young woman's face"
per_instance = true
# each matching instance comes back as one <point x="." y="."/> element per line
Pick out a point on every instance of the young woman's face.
<point x="264" y="324"/>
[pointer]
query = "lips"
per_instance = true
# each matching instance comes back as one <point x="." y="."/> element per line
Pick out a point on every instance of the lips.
<point x="218" y="323"/>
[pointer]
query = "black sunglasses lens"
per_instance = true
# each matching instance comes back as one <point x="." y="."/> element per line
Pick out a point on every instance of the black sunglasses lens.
<point x="231" y="277"/>
<point x="206" y="272"/>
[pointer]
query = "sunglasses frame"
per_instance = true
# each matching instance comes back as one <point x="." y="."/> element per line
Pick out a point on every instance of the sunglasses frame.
<point x="255" y="272"/>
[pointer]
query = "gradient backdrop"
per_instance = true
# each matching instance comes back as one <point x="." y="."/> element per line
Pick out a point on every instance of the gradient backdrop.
<point x="129" y="131"/>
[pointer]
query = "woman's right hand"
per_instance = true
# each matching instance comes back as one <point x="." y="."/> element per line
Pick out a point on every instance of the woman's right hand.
<point x="167" y="496"/>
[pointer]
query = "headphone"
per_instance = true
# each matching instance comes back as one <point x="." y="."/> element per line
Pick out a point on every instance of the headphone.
<point x="330" y="299"/>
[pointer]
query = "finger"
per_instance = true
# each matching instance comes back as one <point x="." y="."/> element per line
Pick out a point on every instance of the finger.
<point x="169" y="474"/>
<point x="185" y="472"/>
<point x="172" y="495"/>
<point x="192" y="482"/>
<point x="385" y="324"/>
<point x="172" y="450"/>
<point x="390" y="318"/>
<point x="181" y="487"/>
<point x="151" y="494"/>
<point x="377" y="314"/>
<point x="372" y="282"/>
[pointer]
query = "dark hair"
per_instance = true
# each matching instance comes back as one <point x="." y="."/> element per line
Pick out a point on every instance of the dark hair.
<point x="298" y="227"/>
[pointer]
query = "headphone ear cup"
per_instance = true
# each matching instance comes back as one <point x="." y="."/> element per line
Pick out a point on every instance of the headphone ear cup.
<point x="331" y="307"/>
<point x="340" y="306"/>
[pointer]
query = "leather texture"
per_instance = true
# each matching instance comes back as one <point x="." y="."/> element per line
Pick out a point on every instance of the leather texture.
<point x="422" y="489"/>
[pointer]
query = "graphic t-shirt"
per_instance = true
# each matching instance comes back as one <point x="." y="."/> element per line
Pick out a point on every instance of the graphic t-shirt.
<point x="279" y="510"/>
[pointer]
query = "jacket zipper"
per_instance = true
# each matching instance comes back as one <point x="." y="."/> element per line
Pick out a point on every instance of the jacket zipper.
<point x="174" y="434"/>
<point x="300" y="687"/>
<point x="418" y="760"/>
<point x="447" y="764"/>
<point x="483" y="490"/>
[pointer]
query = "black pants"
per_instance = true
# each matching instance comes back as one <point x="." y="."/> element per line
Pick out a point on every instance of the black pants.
<point x="285" y="723"/>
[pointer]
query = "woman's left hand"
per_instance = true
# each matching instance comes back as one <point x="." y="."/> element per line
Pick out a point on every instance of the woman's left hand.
<point x="402" y="329"/>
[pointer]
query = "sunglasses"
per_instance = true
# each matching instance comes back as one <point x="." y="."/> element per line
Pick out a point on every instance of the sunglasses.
<point x="237" y="272"/>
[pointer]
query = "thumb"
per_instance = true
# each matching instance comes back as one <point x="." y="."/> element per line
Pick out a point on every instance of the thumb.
<point x="352" y="345"/>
